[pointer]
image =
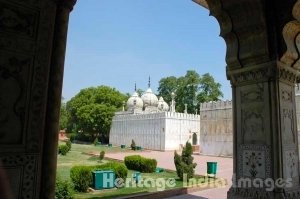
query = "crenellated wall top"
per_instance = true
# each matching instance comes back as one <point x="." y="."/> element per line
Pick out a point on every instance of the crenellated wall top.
<point x="214" y="105"/>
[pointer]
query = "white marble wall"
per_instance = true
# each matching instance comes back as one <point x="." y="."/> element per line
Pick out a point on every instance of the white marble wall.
<point x="155" y="131"/>
<point x="180" y="128"/>
<point x="216" y="128"/>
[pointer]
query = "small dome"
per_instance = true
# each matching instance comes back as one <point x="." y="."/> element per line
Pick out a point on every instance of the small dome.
<point x="149" y="98"/>
<point x="135" y="101"/>
<point x="162" y="105"/>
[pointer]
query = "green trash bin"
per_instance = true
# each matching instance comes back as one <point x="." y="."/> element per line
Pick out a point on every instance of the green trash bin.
<point x="123" y="146"/>
<point x="109" y="145"/>
<point x="138" y="148"/>
<point x="137" y="176"/>
<point x="212" y="168"/>
<point x="104" y="179"/>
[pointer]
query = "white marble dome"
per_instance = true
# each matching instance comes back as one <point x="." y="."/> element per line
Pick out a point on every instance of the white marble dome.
<point x="162" y="105"/>
<point x="135" y="101"/>
<point x="149" y="98"/>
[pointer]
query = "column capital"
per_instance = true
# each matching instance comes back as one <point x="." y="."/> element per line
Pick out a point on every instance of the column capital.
<point x="67" y="4"/>
<point x="264" y="72"/>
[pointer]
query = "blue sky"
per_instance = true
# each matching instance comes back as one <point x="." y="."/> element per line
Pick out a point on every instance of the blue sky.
<point x="118" y="43"/>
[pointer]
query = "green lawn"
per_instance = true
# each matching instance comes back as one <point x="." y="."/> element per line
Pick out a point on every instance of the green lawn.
<point x="76" y="157"/>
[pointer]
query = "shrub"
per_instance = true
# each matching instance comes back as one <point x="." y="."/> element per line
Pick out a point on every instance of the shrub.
<point x="96" y="141"/>
<point x="69" y="144"/>
<point x="63" y="149"/>
<point x="133" y="145"/>
<point x="71" y="136"/>
<point x="63" y="189"/>
<point x="138" y="163"/>
<point x="82" y="175"/>
<point x="184" y="163"/>
<point x="101" y="156"/>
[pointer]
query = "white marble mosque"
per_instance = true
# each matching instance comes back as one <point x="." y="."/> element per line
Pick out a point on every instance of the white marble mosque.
<point x="153" y="124"/>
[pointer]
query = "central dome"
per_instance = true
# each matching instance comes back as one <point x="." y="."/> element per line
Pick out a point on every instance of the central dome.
<point x="134" y="101"/>
<point x="149" y="98"/>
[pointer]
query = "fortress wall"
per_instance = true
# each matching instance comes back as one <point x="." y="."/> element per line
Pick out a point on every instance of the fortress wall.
<point x="216" y="128"/>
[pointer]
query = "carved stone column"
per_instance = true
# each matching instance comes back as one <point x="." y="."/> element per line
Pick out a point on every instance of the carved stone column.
<point x="64" y="7"/>
<point x="32" y="46"/>
<point x="265" y="155"/>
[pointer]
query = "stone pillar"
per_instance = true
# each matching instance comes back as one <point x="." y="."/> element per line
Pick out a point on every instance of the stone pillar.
<point x="64" y="7"/>
<point x="32" y="45"/>
<point x="265" y="145"/>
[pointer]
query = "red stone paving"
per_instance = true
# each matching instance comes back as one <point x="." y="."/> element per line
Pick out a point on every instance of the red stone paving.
<point x="165" y="160"/>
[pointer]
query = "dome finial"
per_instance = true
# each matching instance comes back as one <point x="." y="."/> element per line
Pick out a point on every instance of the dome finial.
<point x="149" y="82"/>
<point x="135" y="86"/>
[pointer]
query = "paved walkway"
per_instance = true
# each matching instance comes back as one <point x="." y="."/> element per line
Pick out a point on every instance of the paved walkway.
<point x="165" y="160"/>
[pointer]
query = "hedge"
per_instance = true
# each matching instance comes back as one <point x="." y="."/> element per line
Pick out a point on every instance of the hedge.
<point x="63" y="149"/>
<point x="81" y="176"/>
<point x="139" y="163"/>
<point x="63" y="189"/>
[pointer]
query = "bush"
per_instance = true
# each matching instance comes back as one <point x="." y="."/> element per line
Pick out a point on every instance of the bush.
<point x="69" y="144"/>
<point x="63" y="149"/>
<point x="101" y="156"/>
<point x="138" y="163"/>
<point x="96" y="141"/>
<point x="71" y="136"/>
<point x="81" y="176"/>
<point x="63" y="189"/>
<point x="132" y="145"/>
<point x="184" y="163"/>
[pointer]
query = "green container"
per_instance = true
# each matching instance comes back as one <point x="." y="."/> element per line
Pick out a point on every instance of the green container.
<point x="212" y="168"/>
<point x="158" y="170"/>
<point x="109" y="145"/>
<point x="137" y="176"/>
<point x="123" y="146"/>
<point x="103" y="179"/>
<point x="138" y="148"/>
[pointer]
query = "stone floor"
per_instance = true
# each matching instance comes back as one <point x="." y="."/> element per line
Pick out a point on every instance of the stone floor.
<point x="165" y="160"/>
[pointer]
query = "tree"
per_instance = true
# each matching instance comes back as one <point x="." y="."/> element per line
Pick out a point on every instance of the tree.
<point x="191" y="89"/>
<point x="166" y="86"/>
<point x="92" y="109"/>
<point x="184" y="164"/>
<point x="63" y="117"/>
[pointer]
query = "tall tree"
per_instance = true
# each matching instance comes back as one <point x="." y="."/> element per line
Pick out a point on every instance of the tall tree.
<point x="191" y="89"/>
<point x="92" y="109"/>
<point x="63" y="117"/>
<point x="167" y="85"/>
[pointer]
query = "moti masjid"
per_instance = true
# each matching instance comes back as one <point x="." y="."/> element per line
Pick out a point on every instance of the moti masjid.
<point x="153" y="124"/>
<point x="262" y="65"/>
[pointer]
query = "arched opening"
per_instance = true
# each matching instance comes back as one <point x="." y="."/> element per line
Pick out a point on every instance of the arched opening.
<point x="195" y="139"/>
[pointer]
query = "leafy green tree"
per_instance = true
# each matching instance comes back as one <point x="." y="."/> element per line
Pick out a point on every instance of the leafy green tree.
<point x="92" y="109"/>
<point x="63" y="118"/>
<point x="191" y="89"/>
<point x="167" y="85"/>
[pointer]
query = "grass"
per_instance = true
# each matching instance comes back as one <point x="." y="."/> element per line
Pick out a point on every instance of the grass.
<point x="77" y="157"/>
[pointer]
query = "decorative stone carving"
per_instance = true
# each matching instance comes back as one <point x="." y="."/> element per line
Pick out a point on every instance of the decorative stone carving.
<point x="254" y="161"/>
<point x="25" y="169"/>
<point x="253" y="95"/>
<point x="291" y="166"/>
<point x="253" y="125"/>
<point x="14" y="78"/>
<point x="288" y="126"/>
<point x="22" y="22"/>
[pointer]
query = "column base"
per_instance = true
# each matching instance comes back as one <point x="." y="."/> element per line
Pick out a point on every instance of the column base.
<point x="262" y="193"/>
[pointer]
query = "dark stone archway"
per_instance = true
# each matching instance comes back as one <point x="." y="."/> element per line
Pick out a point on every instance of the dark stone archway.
<point x="261" y="69"/>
